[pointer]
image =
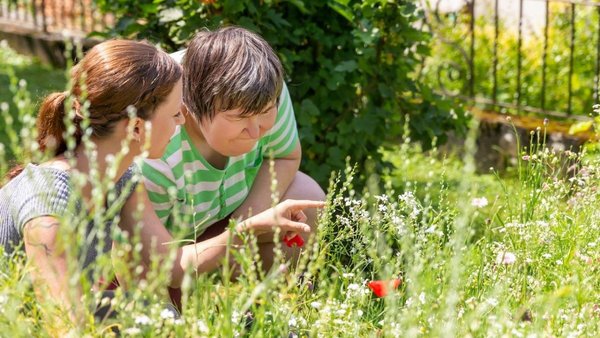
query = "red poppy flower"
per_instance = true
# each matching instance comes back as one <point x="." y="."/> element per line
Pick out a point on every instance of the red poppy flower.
<point x="380" y="287"/>
<point x="292" y="239"/>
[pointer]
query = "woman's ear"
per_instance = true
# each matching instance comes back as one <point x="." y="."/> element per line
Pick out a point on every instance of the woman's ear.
<point x="138" y="129"/>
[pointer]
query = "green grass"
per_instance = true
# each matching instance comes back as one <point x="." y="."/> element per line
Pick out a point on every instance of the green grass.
<point x="37" y="81"/>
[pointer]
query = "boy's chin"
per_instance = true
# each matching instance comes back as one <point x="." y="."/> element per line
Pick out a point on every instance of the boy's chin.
<point x="238" y="151"/>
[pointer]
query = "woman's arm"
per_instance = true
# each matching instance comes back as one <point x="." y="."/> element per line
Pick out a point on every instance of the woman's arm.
<point x="207" y="255"/>
<point x="50" y="272"/>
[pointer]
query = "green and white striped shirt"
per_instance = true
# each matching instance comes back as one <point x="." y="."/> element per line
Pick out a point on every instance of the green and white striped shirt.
<point x="187" y="192"/>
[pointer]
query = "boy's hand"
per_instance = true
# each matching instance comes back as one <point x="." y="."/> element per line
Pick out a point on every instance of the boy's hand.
<point x="287" y="216"/>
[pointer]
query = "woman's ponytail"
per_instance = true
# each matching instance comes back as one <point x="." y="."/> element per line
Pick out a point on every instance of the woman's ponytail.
<point x="51" y="128"/>
<point x="51" y="125"/>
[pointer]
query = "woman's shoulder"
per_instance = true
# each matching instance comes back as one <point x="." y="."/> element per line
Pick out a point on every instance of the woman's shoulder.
<point x="127" y="183"/>
<point x="35" y="177"/>
<point x="37" y="180"/>
<point x="36" y="191"/>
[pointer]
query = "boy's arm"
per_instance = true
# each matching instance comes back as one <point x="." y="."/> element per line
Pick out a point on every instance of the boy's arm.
<point x="207" y="255"/>
<point x="259" y="198"/>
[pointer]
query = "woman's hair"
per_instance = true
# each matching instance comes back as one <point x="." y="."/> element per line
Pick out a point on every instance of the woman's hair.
<point x="113" y="76"/>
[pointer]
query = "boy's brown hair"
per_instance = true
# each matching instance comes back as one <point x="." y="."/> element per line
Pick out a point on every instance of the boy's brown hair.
<point x="230" y="68"/>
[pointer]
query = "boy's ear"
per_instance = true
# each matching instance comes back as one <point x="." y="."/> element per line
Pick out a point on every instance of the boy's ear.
<point x="184" y="109"/>
<point x="187" y="113"/>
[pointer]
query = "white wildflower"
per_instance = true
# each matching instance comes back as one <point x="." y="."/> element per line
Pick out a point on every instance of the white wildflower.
<point x="382" y="198"/>
<point x="167" y="314"/>
<point x="292" y="322"/>
<point x="506" y="258"/>
<point x="479" y="202"/>
<point x="132" y="331"/>
<point x="202" y="327"/>
<point x="142" y="320"/>
<point x="235" y="316"/>
<point x="316" y="305"/>
<point x="492" y="301"/>
<point x="353" y="287"/>
<point x="339" y="322"/>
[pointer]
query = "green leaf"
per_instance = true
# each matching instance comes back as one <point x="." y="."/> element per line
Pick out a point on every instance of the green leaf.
<point x="341" y="7"/>
<point x="300" y="5"/>
<point x="170" y="15"/>
<point x="346" y="66"/>
<point x="308" y="107"/>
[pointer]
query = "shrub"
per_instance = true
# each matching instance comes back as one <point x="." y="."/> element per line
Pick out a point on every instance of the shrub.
<point x="350" y="67"/>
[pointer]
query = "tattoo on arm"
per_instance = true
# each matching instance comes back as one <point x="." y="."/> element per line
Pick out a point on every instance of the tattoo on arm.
<point x="43" y="225"/>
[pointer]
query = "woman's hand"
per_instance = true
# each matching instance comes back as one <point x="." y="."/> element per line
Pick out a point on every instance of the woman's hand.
<point x="287" y="216"/>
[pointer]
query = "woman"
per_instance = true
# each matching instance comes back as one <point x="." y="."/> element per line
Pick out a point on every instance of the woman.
<point x="43" y="205"/>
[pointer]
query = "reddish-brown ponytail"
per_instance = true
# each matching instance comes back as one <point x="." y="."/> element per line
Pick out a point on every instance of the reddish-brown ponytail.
<point x="51" y="125"/>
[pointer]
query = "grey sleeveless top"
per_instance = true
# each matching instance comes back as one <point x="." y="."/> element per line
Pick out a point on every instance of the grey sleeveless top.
<point x="43" y="191"/>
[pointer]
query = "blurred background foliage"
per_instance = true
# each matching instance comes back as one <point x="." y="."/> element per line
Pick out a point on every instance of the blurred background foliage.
<point x="448" y="65"/>
<point x="25" y="81"/>
<point x="350" y="68"/>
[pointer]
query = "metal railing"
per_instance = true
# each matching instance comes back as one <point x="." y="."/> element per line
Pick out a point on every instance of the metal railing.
<point x="73" y="17"/>
<point x="476" y="70"/>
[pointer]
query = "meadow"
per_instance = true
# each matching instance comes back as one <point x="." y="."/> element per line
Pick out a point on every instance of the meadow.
<point x="472" y="255"/>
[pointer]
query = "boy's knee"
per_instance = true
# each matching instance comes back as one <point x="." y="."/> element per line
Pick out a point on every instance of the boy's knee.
<point x="304" y="187"/>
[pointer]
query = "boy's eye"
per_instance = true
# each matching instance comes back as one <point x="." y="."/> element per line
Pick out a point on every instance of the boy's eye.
<point x="269" y="110"/>
<point x="235" y="117"/>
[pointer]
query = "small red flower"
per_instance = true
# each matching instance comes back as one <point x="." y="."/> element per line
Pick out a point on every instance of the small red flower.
<point x="292" y="239"/>
<point x="380" y="287"/>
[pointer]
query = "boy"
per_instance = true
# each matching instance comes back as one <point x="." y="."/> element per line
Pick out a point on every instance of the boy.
<point x="238" y="113"/>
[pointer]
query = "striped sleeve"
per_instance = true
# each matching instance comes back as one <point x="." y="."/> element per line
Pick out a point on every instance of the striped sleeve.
<point x="283" y="137"/>
<point x="160" y="185"/>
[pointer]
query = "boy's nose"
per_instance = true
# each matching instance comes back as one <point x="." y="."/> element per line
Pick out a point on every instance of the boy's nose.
<point x="253" y="128"/>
